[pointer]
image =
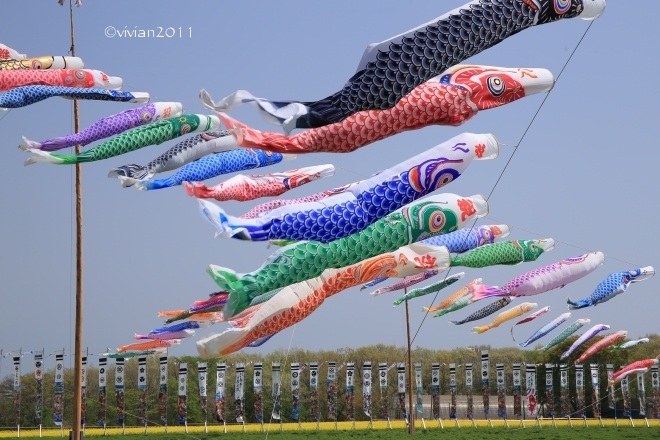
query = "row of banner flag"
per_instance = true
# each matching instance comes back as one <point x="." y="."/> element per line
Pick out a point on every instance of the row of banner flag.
<point x="531" y="409"/>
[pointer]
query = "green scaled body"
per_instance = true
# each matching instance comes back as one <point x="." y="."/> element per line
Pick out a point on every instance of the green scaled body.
<point x="263" y="298"/>
<point x="151" y="134"/>
<point x="435" y="287"/>
<point x="506" y="252"/>
<point x="461" y="302"/>
<point x="577" y="325"/>
<point x="308" y="259"/>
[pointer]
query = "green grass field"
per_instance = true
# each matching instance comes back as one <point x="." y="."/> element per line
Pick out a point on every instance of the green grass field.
<point x="327" y="432"/>
<point x="454" y="434"/>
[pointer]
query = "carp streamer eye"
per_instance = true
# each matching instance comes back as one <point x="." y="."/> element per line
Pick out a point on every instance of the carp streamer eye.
<point x="145" y="117"/>
<point x="495" y="85"/>
<point x="437" y="221"/>
<point x="562" y="6"/>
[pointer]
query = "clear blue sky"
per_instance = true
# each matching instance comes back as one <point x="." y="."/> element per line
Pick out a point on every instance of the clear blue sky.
<point x="586" y="174"/>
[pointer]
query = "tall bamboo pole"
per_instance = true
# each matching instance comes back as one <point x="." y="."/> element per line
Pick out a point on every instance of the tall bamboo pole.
<point x="77" y="374"/>
<point x="411" y="412"/>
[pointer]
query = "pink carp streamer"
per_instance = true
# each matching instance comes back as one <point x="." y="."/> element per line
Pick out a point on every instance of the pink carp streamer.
<point x="82" y="78"/>
<point x="635" y="367"/>
<point x="244" y="188"/>
<point x="605" y="342"/>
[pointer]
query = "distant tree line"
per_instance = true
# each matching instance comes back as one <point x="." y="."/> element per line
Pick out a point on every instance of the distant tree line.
<point x="374" y="353"/>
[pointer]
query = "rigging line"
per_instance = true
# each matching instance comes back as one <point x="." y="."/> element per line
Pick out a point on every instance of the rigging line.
<point x="6" y="113"/>
<point x="565" y="242"/>
<point x="279" y="392"/>
<point x="507" y="165"/>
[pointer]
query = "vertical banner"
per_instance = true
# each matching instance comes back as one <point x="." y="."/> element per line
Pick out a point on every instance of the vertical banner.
<point x="401" y="388"/>
<point x="641" y="394"/>
<point x="162" y="390"/>
<point x="384" y="393"/>
<point x="314" y="391"/>
<point x="418" y="387"/>
<point x="563" y="391"/>
<point x="83" y="395"/>
<point x="366" y="388"/>
<point x="549" y="391"/>
<point x="103" y="375"/>
<point x="517" y="389"/>
<point x="17" y="388"/>
<point x="276" y="380"/>
<point x="182" y="404"/>
<point x="220" y="375"/>
<point x="625" y="389"/>
<point x="501" y="391"/>
<point x="435" y="390"/>
<point x="142" y="391"/>
<point x="350" y="391"/>
<point x="452" y="390"/>
<point x="295" y="391"/>
<point x="258" y="385"/>
<point x="332" y="391"/>
<point x="239" y="392"/>
<point x="531" y="404"/>
<point x="39" y="377"/>
<point x="485" y="381"/>
<point x="655" y="384"/>
<point x="610" y="388"/>
<point x="469" y="391"/>
<point x="595" y="391"/>
<point x="119" y="389"/>
<point x="201" y="382"/>
<point x="58" y="401"/>
<point x="579" y="391"/>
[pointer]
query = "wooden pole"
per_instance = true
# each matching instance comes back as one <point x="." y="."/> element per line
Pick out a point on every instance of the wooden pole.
<point x="411" y="412"/>
<point x="77" y="375"/>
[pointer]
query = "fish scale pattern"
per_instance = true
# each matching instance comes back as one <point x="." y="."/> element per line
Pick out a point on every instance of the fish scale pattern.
<point x="152" y="134"/>
<point x="486" y="311"/>
<point x="577" y="325"/>
<point x="215" y="165"/>
<point x="28" y="95"/>
<point x="11" y="79"/>
<point x="101" y="129"/>
<point x="400" y="68"/>
<point x="506" y="252"/>
<point x="274" y="204"/>
<point x="308" y="259"/>
<point x="193" y="147"/>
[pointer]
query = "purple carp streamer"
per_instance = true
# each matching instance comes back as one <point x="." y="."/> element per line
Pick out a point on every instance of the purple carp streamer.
<point x="391" y="69"/>
<point x="28" y="95"/>
<point x="553" y="276"/>
<point x="593" y="331"/>
<point x="152" y="134"/>
<point x="405" y="283"/>
<point x="110" y="126"/>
